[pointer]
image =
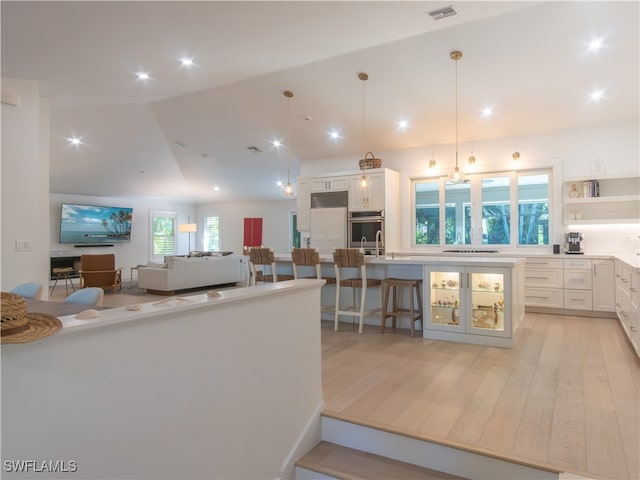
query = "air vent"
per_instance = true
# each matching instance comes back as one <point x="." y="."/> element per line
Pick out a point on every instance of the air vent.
<point x="443" y="13"/>
<point x="180" y="144"/>
<point x="254" y="149"/>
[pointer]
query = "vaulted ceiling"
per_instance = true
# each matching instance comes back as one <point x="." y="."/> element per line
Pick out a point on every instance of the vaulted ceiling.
<point x="187" y="129"/>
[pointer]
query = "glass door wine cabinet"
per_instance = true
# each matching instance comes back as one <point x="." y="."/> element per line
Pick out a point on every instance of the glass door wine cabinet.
<point x="471" y="304"/>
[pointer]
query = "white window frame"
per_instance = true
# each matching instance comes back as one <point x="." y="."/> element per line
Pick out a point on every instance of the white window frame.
<point x="162" y="213"/>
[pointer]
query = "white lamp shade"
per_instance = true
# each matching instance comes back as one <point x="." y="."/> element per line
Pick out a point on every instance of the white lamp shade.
<point x="188" y="227"/>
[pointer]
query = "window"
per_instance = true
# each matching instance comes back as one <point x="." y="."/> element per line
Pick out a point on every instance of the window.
<point x="163" y="234"/>
<point x="506" y="208"/>
<point x="496" y="211"/>
<point x="211" y="239"/>
<point x="533" y="209"/>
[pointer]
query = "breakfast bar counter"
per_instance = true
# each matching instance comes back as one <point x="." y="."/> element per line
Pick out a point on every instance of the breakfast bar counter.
<point x="467" y="298"/>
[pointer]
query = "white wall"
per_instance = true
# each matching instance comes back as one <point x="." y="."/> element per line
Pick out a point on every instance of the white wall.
<point x="570" y="153"/>
<point x="127" y="254"/>
<point x="25" y="185"/>
<point x="275" y="222"/>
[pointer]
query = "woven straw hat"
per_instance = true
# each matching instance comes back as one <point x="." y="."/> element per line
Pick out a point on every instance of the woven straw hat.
<point x="18" y="326"/>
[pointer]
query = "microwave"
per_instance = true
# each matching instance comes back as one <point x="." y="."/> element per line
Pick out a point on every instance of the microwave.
<point x="366" y="231"/>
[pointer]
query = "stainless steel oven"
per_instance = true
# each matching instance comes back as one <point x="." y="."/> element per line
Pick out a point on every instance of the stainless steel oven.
<point x="366" y="231"/>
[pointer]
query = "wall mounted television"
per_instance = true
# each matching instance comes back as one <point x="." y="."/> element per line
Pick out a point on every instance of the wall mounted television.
<point x="95" y="224"/>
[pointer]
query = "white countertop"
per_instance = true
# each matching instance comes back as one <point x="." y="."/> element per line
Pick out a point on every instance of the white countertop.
<point x="505" y="259"/>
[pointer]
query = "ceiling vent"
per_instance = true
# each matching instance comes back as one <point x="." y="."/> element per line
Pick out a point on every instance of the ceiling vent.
<point x="443" y="13"/>
<point x="254" y="149"/>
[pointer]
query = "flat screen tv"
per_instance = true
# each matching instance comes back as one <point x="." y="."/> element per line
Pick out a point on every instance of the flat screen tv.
<point x="94" y="224"/>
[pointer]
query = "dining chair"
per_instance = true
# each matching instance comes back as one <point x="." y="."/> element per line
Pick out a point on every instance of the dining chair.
<point x="87" y="296"/>
<point x="29" y="290"/>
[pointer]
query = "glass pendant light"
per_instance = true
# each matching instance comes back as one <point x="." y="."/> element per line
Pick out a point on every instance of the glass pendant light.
<point x="457" y="176"/>
<point x="288" y="187"/>
<point x="369" y="160"/>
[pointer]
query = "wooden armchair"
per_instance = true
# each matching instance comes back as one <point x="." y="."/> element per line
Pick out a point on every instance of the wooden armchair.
<point x="100" y="271"/>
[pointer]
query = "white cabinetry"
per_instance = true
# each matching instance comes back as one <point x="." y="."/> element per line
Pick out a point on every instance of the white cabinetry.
<point x="473" y="304"/>
<point x="544" y="283"/>
<point x="615" y="194"/>
<point x="575" y="283"/>
<point x="303" y="205"/>
<point x="603" y="285"/>
<point x="626" y="280"/>
<point x="371" y="197"/>
<point x="329" y="184"/>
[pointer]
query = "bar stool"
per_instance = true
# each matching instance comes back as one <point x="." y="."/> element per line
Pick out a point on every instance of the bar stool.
<point x="266" y="258"/>
<point x="351" y="259"/>
<point x="63" y="272"/>
<point x="395" y="286"/>
<point x="308" y="258"/>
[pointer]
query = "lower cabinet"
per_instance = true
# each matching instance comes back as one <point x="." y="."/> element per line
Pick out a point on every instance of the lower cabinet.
<point x="626" y="304"/>
<point x="473" y="304"/>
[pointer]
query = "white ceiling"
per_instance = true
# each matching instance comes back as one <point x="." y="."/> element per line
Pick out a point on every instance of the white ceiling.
<point x="528" y="60"/>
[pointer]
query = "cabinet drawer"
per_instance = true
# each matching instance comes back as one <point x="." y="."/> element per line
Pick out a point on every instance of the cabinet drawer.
<point x="543" y="297"/>
<point x="578" y="263"/>
<point x="577" y="299"/>
<point x="543" y="278"/>
<point x="578" y="279"/>
<point x="544" y="263"/>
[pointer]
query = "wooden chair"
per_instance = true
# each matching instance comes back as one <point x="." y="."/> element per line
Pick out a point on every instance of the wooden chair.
<point x="308" y="258"/>
<point x="263" y="256"/>
<point x="351" y="261"/>
<point x="100" y="271"/>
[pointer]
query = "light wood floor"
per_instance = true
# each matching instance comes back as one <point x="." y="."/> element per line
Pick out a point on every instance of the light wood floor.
<point x="566" y="395"/>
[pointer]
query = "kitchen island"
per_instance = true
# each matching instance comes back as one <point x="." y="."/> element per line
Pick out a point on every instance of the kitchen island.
<point x="474" y="299"/>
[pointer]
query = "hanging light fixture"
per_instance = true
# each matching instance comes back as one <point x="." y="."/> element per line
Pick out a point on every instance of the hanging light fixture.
<point x="457" y="176"/>
<point x="288" y="188"/>
<point x="369" y="160"/>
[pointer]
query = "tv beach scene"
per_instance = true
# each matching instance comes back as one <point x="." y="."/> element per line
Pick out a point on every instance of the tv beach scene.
<point x="95" y="224"/>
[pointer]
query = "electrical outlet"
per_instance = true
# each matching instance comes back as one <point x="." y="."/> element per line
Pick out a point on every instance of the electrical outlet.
<point x="24" y="245"/>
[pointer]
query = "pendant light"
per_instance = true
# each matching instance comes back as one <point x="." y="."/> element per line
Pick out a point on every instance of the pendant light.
<point x="288" y="188"/>
<point x="369" y="160"/>
<point x="457" y="176"/>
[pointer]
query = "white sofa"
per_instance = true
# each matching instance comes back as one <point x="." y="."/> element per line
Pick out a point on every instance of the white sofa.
<point x="183" y="273"/>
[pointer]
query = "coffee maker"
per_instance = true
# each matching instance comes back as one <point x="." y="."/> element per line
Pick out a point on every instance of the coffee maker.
<point x="572" y="243"/>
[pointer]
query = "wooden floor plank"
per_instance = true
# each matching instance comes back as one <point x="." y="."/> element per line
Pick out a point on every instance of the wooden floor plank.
<point x="567" y="387"/>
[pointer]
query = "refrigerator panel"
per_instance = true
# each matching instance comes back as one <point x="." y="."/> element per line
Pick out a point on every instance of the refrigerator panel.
<point x="328" y="229"/>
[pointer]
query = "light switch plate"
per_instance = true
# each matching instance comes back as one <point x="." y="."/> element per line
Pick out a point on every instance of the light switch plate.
<point x="24" y="245"/>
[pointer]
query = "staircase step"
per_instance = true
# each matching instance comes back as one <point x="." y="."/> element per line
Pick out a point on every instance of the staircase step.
<point x="346" y="463"/>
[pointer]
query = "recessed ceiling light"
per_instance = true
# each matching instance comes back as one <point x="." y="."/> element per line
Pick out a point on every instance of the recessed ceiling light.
<point x="186" y="62"/>
<point x="596" y="95"/>
<point x="334" y="135"/>
<point x="595" y="44"/>
<point x="403" y="124"/>
<point x="279" y="183"/>
<point x="276" y="143"/>
<point x="216" y="188"/>
<point x="143" y="76"/>
<point x="74" y="141"/>
<point x="487" y="112"/>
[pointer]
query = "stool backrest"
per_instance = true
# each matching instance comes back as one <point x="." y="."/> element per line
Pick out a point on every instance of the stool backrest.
<point x="261" y="256"/>
<point x="307" y="257"/>
<point x="348" y="257"/>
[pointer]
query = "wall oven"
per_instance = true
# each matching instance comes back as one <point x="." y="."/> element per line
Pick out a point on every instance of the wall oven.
<point x="366" y="231"/>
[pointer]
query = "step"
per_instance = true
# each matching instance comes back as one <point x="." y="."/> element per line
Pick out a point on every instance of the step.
<point x="430" y="453"/>
<point x="344" y="463"/>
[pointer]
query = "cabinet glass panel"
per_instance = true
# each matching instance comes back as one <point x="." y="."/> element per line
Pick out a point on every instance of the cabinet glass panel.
<point x="487" y="301"/>
<point x="445" y="298"/>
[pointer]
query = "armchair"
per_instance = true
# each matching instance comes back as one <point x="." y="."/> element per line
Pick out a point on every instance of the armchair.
<point x="100" y="271"/>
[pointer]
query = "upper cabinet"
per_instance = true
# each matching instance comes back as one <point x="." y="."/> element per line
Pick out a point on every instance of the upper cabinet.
<point x="603" y="200"/>
<point x="370" y="197"/>
<point x="329" y="184"/>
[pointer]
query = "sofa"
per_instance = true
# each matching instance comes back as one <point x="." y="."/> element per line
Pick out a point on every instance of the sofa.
<point x="180" y="273"/>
